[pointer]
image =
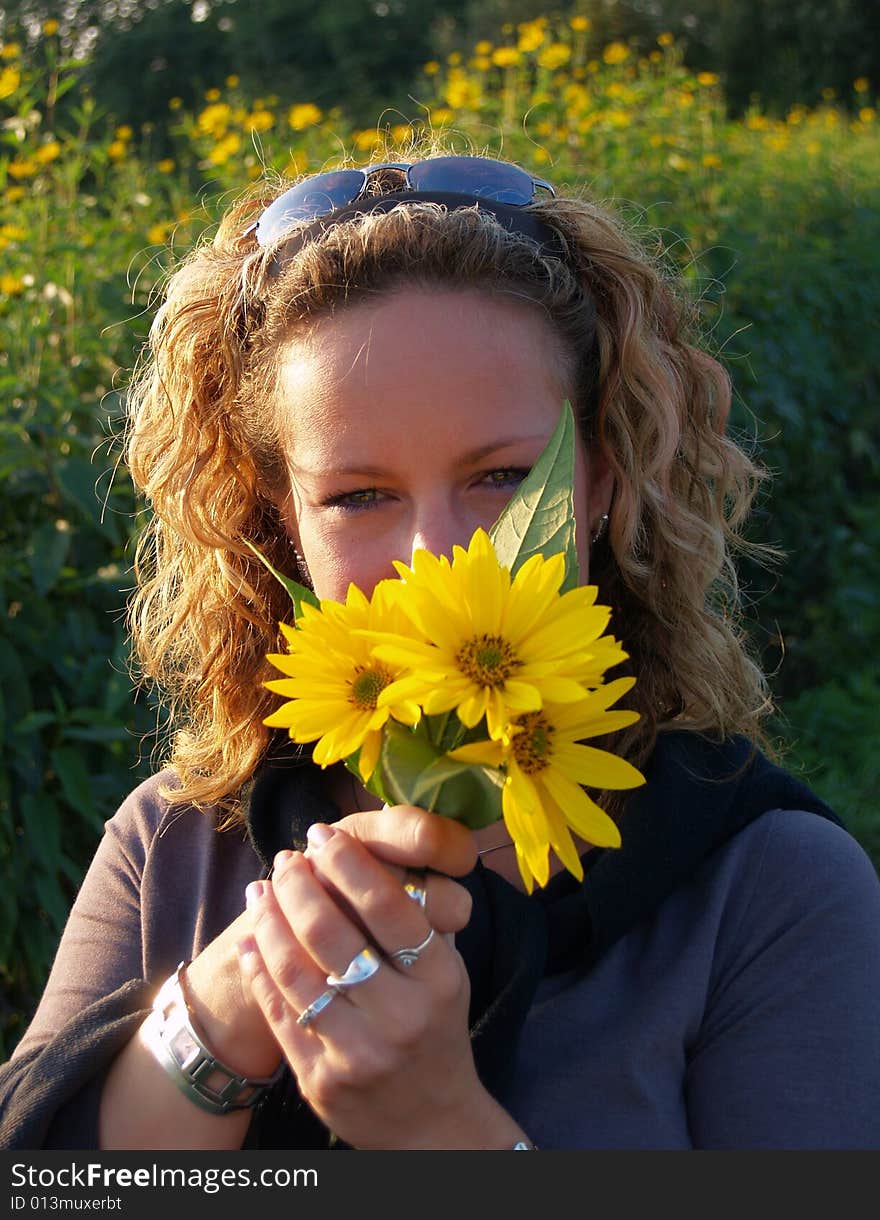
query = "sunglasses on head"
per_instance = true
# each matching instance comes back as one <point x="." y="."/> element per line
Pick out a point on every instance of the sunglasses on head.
<point x="476" y="178"/>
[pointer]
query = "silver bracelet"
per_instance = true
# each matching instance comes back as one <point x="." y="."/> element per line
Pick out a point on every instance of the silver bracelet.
<point x="178" y="1046"/>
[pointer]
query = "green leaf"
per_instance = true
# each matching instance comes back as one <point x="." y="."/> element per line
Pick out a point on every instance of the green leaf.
<point x="298" y="593"/>
<point x="539" y="519"/>
<point x="466" y="793"/>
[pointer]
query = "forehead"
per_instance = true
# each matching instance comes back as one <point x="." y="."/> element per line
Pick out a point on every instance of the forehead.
<point x="429" y="349"/>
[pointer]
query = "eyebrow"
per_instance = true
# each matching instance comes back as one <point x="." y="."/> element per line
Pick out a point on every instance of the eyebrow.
<point x="378" y="472"/>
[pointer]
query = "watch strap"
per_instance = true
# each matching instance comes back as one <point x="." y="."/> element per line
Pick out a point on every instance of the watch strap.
<point x="171" y="1033"/>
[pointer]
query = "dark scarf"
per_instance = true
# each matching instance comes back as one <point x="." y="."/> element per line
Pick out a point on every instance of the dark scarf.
<point x="698" y="795"/>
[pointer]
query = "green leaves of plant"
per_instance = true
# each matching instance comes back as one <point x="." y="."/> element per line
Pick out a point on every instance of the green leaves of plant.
<point x="539" y="519"/>
<point x="298" y="593"/>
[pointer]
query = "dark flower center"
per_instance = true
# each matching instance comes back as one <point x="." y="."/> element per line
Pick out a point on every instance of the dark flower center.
<point x="533" y="744"/>
<point x="488" y="660"/>
<point x="367" y="685"/>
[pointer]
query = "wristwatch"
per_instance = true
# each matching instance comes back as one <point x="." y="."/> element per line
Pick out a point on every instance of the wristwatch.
<point x="176" y="1043"/>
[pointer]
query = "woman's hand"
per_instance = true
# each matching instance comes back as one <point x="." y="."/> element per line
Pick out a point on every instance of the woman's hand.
<point x="387" y="1063"/>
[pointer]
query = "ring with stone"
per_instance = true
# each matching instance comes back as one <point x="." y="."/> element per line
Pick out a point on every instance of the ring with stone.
<point x="409" y="957"/>
<point x="361" y="967"/>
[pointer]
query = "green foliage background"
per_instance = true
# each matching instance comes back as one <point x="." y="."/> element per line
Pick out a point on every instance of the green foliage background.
<point x="773" y="221"/>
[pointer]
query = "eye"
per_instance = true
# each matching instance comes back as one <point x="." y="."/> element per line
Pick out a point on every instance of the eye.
<point x="353" y="501"/>
<point x="506" y="477"/>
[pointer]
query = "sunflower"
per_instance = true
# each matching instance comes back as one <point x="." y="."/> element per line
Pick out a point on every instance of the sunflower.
<point x="488" y="644"/>
<point x="333" y="682"/>
<point x="544" y="766"/>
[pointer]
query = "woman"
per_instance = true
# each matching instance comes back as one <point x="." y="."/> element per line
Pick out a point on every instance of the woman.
<point x="366" y="366"/>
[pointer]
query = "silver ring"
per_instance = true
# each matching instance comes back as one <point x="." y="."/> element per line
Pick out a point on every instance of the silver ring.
<point x="307" y="1016"/>
<point x="415" y="886"/>
<point x="408" y="957"/>
<point x="361" y="967"/>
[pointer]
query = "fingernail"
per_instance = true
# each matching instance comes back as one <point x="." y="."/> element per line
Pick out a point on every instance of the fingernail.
<point x="281" y="859"/>
<point x="319" y="834"/>
<point x="254" y="893"/>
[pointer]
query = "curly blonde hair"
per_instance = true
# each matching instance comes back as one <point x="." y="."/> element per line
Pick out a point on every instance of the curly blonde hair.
<point x="203" y="448"/>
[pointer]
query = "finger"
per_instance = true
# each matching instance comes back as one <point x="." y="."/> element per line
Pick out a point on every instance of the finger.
<point x="392" y="920"/>
<point x="285" y="984"/>
<point x="323" y="930"/>
<point x="413" y="838"/>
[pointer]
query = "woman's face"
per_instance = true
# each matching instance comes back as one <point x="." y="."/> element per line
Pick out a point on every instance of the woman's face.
<point x="409" y="421"/>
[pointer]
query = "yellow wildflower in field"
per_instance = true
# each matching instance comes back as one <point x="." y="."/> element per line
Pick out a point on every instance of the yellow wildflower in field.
<point x="506" y="57"/>
<point x="554" y="56"/>
<point x="175" y="103"/>
<point x="166" y="165"/>
<point x="861" y="84"/>
<point x="579" y="24"/>
<point x="303" y="115"/>
<point x="10" y="79"/>
<point x="157" y="234"/>
<point x="214" y="119"/>
<point x="50" y="27"/>
<point x="14" y="194"/>
<point x="117" y="150"/>
<point x="212" y="95"/>
<point x="431" y="68"/>
<point x="531" y="35"/>
<point x="124" y="132"/>
<point x="224" y="149"/>
<point x="232" y="81"/>
<point x="21" y="167"/>
<point x="259" y="120"/>
<point x="488" y="644"/>
<point x="11" y="285"/>
<point x="666" y="39"/>
<point x="616" y="53"/>
<point x="483" y="47"/>
<point x="708" y="78"/>
<point x="333" y="681"/>
<point x="12" y="50"/>
<point x="462" y="94"/>
<point x="47" y="152"/>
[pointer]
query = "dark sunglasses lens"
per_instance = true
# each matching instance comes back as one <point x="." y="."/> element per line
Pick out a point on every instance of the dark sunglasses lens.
<point x="307" y="200"/>
<point x="478" y="176"/>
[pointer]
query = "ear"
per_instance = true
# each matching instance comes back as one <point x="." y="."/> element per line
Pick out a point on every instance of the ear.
<point x="600" y="480"/>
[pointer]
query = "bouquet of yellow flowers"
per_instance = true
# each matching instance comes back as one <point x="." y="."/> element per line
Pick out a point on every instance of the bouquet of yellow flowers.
<point x="469" y="686"/>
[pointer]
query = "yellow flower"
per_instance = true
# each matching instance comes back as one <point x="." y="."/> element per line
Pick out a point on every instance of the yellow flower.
<point x="666" y="39"/>
<point x="10" y="79"/>
<point x="212" y="95"/>
<point x="50" y="27"/>
<point x="12" y="50"/>
<point x="554" y="56"/>
<point x="580" y="23"/>
<point x="259" y="120"/>
<point x="166" y="165"/>
<point x="124" y="132"/>
<point x="861" y="84"/>
<point x="47" y="152"/>
<point x="545" y="766"/>
<point x="505" y="57"/>
<point x="712" y="161"/>
<point x="867" y="114"/>
<point x="462" y="94"/>
<point x="21" y="167"/>
<point x="431" y="68"/>
<point x="117" y="150"/>
<point x="531" y="35"/>
<point x="454" y="58"/>
<point x="11" y="285"/>
<point x="232" y="81"/>
<point x="14" y="194"/>
<point x="615" y="53"/>
<point x="708" y="78"/>
<point x="223" y="149"/>
<point x="302" y="115"/>
<point x="333" y="681"/>
<point x="157" y="234"/>
<point x="490" y="645"/>
<point x="175" y="103"/>
<point x="483" y="47"/>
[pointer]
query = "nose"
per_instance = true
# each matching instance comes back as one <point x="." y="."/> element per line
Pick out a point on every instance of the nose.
<point x="439" y="529"/>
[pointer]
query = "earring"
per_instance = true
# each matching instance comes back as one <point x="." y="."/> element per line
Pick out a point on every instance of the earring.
<point x="600" y="529"/>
